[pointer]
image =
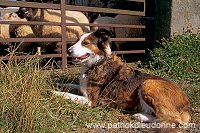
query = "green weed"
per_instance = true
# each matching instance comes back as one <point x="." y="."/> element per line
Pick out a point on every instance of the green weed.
<point x="178" y="59"/>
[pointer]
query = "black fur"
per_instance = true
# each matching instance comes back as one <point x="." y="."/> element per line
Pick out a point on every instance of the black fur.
<point x="103" y="36"/>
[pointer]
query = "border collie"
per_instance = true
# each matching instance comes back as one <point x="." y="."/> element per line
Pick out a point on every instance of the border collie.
<point x="106" y="80"/>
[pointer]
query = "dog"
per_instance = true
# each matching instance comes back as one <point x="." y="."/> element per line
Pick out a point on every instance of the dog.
<point x="106" y="80"/>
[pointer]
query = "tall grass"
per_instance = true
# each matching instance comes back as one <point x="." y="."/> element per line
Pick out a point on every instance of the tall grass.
<point x="22" y="85"/>
<point x="26" y="104"/>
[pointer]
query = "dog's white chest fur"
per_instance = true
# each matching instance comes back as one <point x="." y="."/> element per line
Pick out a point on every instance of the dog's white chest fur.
<point x="83" y="81"/>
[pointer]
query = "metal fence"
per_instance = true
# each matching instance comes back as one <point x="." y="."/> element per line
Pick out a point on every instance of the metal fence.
<point x="63" y="7"/>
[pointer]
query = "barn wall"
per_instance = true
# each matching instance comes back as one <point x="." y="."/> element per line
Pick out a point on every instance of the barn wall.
<point x="174" y="16"/>
<point x="185" y="13"/>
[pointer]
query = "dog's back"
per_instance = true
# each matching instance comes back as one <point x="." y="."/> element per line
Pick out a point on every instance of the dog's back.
<point x="112" y="83"/>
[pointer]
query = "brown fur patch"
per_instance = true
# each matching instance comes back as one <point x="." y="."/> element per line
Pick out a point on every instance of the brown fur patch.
<point x="93" y="43"/>
<point x="167" y="99"/>
<point x="112" y="83"/>
<point x="90" y="42"/>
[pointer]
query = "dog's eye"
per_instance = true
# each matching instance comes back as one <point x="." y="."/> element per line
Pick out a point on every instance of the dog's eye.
<point x="85" y="43"/>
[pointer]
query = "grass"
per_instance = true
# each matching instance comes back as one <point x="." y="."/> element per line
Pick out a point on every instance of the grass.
<point x="28" y="106"/>
<point x="178" y="59"/>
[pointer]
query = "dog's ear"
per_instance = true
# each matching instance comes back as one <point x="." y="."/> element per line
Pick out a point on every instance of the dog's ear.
<point x="103" y="36"/>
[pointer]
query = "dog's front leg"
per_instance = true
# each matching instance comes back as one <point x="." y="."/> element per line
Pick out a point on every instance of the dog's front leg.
<point x="75" y="98"/>
<point x="70" y="86"/>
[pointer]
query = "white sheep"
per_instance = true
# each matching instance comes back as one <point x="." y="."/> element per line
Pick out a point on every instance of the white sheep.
<point x="18" y="31"/>
<point x="4" y="28"/>
<point x="47" y="31"/>
<point x="4" y="33"/>
<point x="122" y="32"/>
<point x="124" y="20"/>
<point x="128" y="32"/>
<point x="49" y="15"/>
<point x="103" y="20"/>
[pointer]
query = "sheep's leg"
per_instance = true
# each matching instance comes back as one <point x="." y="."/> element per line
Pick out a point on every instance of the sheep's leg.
<point x="75" y="98"/>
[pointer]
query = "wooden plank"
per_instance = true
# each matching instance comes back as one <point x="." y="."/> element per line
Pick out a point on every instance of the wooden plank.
<point x="127" y="39"/>
<point x="71" y="24"/>
<point x="30" y="40"/>
<point x="110" y="25"/>
<point x="29" y="4"/>
<point x="130" y="52"/>
<point x="142" y="1"/>
<point x="29" y="23"/>
<point x="103" y="10"/>
<point x="70" y="7"/>
<point x="59" y="39"/>
<point x="63" y="31"/>
<point x="60" y="55"/>
<point x="30" y="56"/>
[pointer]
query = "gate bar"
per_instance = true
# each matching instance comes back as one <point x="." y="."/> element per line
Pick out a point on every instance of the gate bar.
<point x="64" y="35"/>
<point x="70" y="7"/>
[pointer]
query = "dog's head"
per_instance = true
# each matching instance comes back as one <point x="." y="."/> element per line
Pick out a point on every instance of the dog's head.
<point x="91" y="47"/>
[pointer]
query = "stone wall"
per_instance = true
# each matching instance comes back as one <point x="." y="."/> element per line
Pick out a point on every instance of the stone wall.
<point x="185" y="16"/>
<point x="174" y="16"/>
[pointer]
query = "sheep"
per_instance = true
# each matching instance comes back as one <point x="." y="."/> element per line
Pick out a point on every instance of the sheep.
<point x="49" y="15"/>
<point x="54" y="16"/>
<point x="103" y="20"/>
<point x="123" y="32"/>
<point x="4" y="33"/>
<point x="18" y="31"/>
<point x="4" y="28"/>
<point x="121" y="19"/>
<point x="128" y="20"/>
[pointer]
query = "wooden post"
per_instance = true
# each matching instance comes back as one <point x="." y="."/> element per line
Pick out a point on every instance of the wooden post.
<point x="63" y="31"/>
<point x="39" y="50"/>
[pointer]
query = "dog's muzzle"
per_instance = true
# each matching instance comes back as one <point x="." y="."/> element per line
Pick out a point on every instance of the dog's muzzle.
<point x="80" y="58"/>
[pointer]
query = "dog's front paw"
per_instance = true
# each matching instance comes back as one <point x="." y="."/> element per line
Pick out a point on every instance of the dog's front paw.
<point x="137" y="117"/>
<point x="144" y="117"/>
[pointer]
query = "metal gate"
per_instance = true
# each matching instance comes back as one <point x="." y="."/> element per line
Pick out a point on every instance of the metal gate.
<point x="62" y="6"/>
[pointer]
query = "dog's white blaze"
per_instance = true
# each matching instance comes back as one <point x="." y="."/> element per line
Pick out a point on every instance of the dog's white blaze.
<point x="145" y="107"/>
<point x="77" y="50"/>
